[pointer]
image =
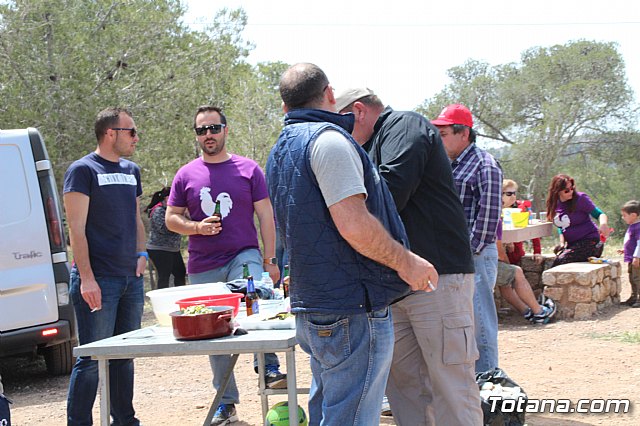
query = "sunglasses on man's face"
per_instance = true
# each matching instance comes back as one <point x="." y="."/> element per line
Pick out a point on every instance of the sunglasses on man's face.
<point x="509" y="193"/>
<point x="215" y="129"/>
<point x="132" y="131"/>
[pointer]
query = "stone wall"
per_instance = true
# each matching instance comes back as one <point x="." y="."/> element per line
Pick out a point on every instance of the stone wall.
<point x="580" y="289"/>
<point x="533" y="273"/>
<point x="583" y="289"/>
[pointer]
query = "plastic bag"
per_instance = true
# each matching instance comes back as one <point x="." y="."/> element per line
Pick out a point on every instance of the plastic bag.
<point x="496" y="388"/>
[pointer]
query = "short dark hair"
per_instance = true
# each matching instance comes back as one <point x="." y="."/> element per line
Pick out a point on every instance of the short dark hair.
<point x="458" y="128"/>
<point x="209" y="108"/>
<point x="302" y="86"/>
<point x="632" y="206"/>
<point x="108" y="118"/>
<point x="370" y="101"/>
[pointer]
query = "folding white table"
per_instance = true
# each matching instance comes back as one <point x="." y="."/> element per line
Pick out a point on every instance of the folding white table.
<point x="158" y="341"/>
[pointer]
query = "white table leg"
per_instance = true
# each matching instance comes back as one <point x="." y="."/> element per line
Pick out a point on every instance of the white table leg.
<point x="292" y="390"/>
<point x="105" y="398"/>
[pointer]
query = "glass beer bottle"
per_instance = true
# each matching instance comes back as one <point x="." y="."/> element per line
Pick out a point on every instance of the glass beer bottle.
<point x="245" y="271"/>
<point x="216" y="212"/>
<point x="285" y="284"/>
<point x="251" y="299"/>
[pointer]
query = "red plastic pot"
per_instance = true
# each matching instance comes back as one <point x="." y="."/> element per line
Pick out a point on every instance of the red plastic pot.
<point x="232" y="299"/>
<point x="203" y="326"/>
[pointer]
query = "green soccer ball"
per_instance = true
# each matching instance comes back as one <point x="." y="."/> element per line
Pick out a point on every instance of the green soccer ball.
<point x="278" y="415"/>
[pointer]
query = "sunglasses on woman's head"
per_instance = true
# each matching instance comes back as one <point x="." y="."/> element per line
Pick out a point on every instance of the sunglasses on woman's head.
<point x="509" y="193"/>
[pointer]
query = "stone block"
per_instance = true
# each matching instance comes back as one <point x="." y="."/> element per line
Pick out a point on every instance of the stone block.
<point x="599" y="293"/>
<point x="582" y="273"/>
<point x="606" y="285"/>
<point x="613" y="287"/>
<point x="566" y="311"/>
<point x="548" y="278"/>
<point x="584" y="311"/>
<point x="580" y="294"/>
<point x="556" y="293"/>
<point x="548" y="261"/>
<point x="527" y="263"/>
<point x="604" y="304"/>
<point x="616" y="269"/>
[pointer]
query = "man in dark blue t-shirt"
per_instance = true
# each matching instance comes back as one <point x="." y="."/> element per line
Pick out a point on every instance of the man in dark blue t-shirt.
<point x="102" y="200"/>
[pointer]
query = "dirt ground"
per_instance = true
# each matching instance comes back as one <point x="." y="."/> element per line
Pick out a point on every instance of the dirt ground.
<point x="568" y="359"/>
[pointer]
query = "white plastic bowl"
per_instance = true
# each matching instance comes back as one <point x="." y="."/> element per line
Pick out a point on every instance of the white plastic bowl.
<point x="163" y="300"/>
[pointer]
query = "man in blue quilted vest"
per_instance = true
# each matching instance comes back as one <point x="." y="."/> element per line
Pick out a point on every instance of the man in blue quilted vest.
<point x="347" y="250"/>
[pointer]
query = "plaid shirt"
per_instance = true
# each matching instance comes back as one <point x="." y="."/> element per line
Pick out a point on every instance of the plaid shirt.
<point x="478" y="178"/>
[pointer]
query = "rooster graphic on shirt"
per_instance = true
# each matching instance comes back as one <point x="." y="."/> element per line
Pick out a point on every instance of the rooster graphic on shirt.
<point x="208" y="205"/>
<point x="562" y="222"/>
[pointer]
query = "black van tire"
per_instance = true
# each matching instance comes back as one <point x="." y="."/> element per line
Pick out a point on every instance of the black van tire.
<point x="59" y="358"/>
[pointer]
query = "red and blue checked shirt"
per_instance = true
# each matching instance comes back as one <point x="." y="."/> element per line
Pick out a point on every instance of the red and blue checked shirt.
<point x="478" y="179"/>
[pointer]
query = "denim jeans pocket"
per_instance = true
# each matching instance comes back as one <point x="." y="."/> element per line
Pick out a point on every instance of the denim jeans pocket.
<point x="380" y="314"/>
<point x="329" y="339"/>
<point x="459" y="344"/>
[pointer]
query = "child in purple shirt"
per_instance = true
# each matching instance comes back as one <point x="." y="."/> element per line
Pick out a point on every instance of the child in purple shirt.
<point x="631" y="251"/>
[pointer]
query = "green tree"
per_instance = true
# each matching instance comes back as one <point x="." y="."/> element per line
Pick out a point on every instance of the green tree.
<point x="64" y="60"/>
<point x="544" y="108"/>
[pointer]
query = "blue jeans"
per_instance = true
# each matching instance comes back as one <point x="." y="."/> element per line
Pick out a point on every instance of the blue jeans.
<point x="484" y="307"/>
<point x="122" y="305"/>
<point x="350" y="361"/>
<point x="228" y="272"/>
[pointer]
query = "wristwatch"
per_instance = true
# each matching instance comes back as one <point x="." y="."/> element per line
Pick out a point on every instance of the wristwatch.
<point x="270" y="261"/>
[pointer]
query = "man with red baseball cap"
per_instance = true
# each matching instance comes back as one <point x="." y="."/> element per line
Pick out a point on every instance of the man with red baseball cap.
<point x="478" y="179"/>
<point x="454" y="114"/>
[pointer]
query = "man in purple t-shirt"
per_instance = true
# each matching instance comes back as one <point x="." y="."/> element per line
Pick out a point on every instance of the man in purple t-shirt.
<point x="218" y="249"/>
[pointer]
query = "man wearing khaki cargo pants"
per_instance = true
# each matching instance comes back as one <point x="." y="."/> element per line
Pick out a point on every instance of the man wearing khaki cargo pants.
<point x="432" y="380"/>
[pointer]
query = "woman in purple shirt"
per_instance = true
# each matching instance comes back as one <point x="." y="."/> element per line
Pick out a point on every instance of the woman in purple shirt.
<point x="571" y="211"/>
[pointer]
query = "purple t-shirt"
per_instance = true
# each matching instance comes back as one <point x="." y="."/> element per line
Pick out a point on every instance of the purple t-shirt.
<point x="631" y="238"/>
<point x="577" y="225"/>
<point x="237" y="183"/>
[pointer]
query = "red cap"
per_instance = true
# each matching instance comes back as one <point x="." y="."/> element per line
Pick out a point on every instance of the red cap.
<point x="454" y="114"/>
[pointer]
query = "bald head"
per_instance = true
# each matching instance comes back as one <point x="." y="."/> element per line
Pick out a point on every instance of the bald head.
<point x="303" y="86"/>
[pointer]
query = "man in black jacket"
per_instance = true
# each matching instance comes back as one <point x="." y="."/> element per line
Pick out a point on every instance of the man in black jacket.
<point x="435" y="350"/>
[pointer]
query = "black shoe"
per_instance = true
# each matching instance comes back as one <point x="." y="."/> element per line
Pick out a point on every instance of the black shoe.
<point x="636" y="305"/>
<point x="631" y="300"/>
<point x="273" y="378"/>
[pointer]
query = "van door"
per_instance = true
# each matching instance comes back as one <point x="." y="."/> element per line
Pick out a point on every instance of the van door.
<point x="27" y="284"/>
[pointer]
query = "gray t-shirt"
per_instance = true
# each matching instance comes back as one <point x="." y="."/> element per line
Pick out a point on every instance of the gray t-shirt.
<point x="337" y="166"/>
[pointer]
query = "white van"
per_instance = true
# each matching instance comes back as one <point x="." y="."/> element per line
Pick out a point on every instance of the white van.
<point x="36" y="314"/>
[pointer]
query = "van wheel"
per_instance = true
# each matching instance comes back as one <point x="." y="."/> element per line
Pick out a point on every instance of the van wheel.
<point x="59" y="358"/>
